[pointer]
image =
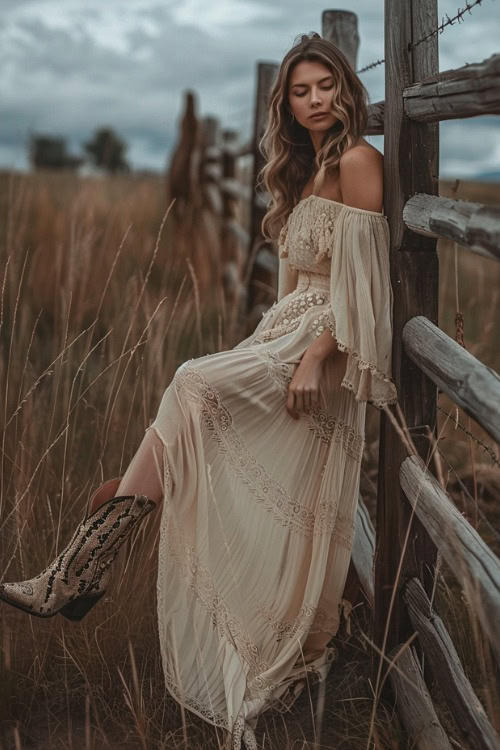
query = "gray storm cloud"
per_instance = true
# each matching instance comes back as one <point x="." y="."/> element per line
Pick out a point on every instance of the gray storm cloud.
<point x="67" y="69"/>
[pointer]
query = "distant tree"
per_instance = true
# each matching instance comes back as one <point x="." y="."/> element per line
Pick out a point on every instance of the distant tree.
<point x="49" y="152"/>
<point x="107" y="151"/>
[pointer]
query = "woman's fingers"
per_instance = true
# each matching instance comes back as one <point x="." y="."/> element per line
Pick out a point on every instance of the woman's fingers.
<point x="299" y="402"/>
<point x="307" y="400"/>
<point x="290" y="404"/>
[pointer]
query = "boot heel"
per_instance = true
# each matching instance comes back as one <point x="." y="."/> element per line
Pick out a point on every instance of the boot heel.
<point x="78" y="608"/>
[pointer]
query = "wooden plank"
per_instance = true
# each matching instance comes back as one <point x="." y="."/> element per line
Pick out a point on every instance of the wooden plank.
<point x="468" y="712"/>
<point x="475" y="226"/>
<point x="266" y="75"/>
<point x="233" y="188"/>
<point x="341" y="28"/>
<point x="411" y="164"/>
<point x="238" y="232"/>
<point x="471" y="384"/>
<point x="414" y="702"/>
<point x="246" y="149"/>
<point x="212" y="197"/>
<point x="375" y="124"/>
<point x="212" y="154"/>
<point x="474" y="564"/>
<point x="211" y="172"/>
<point x="363" y="548"/>
<point x="231" y="148"/>
<point x="471" y="90"/>
<point x="468" y="91"/>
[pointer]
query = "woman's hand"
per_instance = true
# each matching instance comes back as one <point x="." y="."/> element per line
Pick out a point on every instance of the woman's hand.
<point x="303" y="390"/>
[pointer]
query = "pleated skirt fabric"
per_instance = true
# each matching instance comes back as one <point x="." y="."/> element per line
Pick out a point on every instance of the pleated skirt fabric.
<point x="257" y="522"/>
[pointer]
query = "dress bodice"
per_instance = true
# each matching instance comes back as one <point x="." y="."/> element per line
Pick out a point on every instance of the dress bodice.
<point x="306" y="238"/>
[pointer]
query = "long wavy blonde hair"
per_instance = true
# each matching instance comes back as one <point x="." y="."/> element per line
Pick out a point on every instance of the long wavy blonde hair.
<point x="286" y="145"/>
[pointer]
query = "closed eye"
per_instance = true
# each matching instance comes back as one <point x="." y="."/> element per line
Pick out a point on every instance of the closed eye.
<point x="323" y="88"/>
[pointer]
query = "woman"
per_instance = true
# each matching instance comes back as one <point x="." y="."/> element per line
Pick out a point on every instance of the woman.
<point x="257" y="450"/>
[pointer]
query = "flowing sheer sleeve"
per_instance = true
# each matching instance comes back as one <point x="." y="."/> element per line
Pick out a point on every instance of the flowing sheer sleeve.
<point x="361" y="300"/>
<point x="287" y="277"/>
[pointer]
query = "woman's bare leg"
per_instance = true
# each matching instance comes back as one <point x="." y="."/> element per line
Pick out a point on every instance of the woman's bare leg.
<point x="144" y="473"/>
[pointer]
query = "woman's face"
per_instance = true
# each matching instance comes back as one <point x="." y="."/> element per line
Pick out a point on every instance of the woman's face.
<point x="310" y="91"/>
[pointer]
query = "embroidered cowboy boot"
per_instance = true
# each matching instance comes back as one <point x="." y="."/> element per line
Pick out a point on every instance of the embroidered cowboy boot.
<point x="75" y="581"/>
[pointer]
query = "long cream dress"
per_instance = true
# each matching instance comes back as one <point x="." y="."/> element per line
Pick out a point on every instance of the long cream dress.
<point x="259" y="511"/>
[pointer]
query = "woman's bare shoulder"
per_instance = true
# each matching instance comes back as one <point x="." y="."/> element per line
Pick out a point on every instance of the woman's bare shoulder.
<point x="362" y="153"/>
<point x="361" y="170"/>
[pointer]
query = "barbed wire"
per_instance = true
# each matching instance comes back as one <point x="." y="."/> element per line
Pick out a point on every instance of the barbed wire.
<point x="468" y="495"/>
<point x="486" y="448"/>
<point x="439" y="29"/>
<point x="370" y="66"/>
<point x="449" y="22"/>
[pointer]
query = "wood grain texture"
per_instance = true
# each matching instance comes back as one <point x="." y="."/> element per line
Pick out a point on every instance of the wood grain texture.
<point x="468" y="712"/>
<point x="411" y="164"/>
<point x="259" y="279"/>
<point x="414" y="702"/>
<point x="474" y="225"/>
<point x="456" y="93"/>
<point x="341" y="28"/>
<point x="375" y="124"/>
<point x="470" y="559"/>
<point x="362" y="550"/>
<point x="471" y="384"/>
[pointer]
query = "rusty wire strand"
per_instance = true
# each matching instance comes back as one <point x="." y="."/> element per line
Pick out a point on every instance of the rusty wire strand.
<point x="439" y="29"/>
<point x="449" y="22"/>
<point x="486" y="448"/>
<point x="468" y="495"/>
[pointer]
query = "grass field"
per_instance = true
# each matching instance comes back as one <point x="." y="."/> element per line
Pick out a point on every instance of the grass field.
<point x="98" y="308"/>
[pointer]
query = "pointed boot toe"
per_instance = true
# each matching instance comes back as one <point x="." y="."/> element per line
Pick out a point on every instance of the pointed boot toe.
<point x="75" y="581"/>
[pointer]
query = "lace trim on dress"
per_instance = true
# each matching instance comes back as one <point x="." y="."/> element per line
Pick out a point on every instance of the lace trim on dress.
<point x="282" y="241"/>
<point x="326" y="319"/>
<point x="312" y="229"/>
<point x="362" y="365"/>
<point x="278" y="370"/>
<point x="229" y="627"/>
<point x="201" y="583"/>
<point x="292" y="313"/>
<point x="326" y="427"/>
<point x="311" y="619"/>
<point x="239" y="730"/>
<point x="262" y="686"/>
<point x="302" y="301"/>
<point x="284" y="508"/>
<point x="276" y="332"/>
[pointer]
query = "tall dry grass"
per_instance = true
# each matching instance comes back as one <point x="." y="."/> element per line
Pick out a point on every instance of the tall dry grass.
<point x="99" y="306"/>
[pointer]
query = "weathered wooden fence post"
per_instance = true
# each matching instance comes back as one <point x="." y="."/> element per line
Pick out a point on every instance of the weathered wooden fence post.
<point x="410" y="166"/>
<point x="228" y="199"/>
<point x="260" y="271"/>
<point x="341" y="28"/>
<point x="229" y="259"/>
<point x="209" y="175"/>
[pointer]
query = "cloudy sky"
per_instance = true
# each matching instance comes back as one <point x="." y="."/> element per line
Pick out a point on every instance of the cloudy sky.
<point x="69" y="66"/>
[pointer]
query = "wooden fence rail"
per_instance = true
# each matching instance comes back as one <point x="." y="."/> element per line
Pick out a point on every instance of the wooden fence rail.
<point x="450" y="95"/>
<point x="465" y="379"/>
<point x="474" y="226"/>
